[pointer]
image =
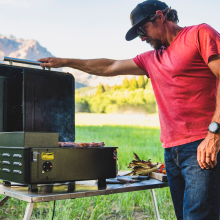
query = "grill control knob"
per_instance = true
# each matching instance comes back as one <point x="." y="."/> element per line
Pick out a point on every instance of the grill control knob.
<point x="47" y="166"/>
<point x="6" y="155"/>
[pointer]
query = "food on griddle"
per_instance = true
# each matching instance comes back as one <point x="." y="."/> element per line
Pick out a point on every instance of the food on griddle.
<point x="73" y="144"/>
<point x="142" y="167"/>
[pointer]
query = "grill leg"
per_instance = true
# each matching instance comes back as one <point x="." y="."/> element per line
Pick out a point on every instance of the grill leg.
<point x="102" y="184"/>
<point x="28" y="212"/>
<point x="71" y="186"/>
<point x="32" y="188"/>
<point x="154" y="201"/>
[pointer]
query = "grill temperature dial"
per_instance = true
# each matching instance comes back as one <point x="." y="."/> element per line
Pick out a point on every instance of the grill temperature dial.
<point x="47" y="166"/>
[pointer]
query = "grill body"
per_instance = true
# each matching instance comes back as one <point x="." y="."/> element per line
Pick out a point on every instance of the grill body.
<point x="54" y="165"/>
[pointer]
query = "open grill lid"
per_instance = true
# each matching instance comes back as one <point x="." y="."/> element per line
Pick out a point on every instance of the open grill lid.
<point x="35" y="100"/>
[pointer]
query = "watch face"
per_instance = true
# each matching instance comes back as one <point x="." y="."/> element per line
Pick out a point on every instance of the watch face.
<point x="213" y="127"/>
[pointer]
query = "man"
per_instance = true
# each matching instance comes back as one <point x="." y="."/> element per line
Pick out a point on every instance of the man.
<point x="184" y="69"/>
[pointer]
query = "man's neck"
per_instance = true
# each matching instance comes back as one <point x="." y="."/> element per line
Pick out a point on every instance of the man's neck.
<point x="172" y="30"/>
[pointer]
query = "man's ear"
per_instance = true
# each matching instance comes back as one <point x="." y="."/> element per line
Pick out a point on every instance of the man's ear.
<point x="161" y="16"/>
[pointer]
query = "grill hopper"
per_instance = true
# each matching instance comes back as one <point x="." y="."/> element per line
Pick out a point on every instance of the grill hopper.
<point x="37" y="100"/>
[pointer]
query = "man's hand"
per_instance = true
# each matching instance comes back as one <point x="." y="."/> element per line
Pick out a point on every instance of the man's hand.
<point x="51" y="62"/>
<point x="207" y="151"/>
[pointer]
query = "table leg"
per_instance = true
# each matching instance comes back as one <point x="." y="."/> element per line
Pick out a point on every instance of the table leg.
<point x="154" y="201"/>
<point x="4" y="200"/>
<point x="28" y="212"/>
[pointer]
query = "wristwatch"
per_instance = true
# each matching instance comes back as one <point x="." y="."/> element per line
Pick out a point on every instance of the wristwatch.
<point x="214" y="127"/>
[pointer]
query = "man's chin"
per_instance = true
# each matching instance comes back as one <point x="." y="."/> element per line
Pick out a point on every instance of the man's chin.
<point x="156" y="44"/>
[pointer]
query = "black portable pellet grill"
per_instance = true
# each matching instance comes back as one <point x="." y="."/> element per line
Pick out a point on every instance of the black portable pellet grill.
<point x="37" y="110"/>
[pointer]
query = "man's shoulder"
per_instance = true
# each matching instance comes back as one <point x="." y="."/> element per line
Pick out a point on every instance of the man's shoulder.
<point x="204" y="30"/>
<point x="199" y="27"/>
<point x="195" y="31"/>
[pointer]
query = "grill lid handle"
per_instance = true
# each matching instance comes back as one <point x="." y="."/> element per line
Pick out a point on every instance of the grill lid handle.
<point x="30" y="62"/>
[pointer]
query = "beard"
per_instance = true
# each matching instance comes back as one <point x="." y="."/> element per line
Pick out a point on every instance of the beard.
<point x="155" y="43"/>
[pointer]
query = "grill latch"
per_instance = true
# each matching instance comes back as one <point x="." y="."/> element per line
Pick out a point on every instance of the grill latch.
<point x="34" y="156"/>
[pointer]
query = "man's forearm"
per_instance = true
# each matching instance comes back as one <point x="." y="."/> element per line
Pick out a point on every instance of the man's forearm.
<point x="98" y="67"/>
<point x="214" y="65"/>
<point x="216" y="116"/>
<point x="209" y="147"/>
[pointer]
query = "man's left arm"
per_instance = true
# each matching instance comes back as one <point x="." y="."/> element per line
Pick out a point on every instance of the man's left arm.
<point x="210" y="146"/>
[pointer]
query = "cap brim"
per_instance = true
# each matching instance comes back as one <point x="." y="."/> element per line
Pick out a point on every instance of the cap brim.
<point x="132" y="33"/>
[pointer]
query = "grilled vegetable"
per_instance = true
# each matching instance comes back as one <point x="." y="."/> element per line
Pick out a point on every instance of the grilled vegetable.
<point x="141" y="167"/>
<point x="138" y="164"/>
<point x="136" y="156"/>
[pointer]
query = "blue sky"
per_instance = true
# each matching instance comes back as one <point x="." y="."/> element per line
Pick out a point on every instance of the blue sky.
<point x="90" y="29"/>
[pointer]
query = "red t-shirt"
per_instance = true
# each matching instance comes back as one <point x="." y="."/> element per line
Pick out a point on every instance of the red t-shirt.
<point x="184" y="86"/>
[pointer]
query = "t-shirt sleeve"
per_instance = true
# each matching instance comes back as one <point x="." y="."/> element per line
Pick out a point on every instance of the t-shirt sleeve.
<point x="208" y="42"/>
<point x="142" y="60"/>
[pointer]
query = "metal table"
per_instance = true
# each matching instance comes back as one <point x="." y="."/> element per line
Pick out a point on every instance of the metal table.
<point x="51" y="192"/>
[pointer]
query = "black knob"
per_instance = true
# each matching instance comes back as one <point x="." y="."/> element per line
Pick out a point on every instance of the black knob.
<point x="47" y="166"/>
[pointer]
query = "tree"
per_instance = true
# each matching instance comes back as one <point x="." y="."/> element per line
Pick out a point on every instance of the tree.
<point x="77" y="92"/>
<point x="133" y="84"/>
<point x="148" y="85"/>
<point x="115" y="87"/>
<point x="107" y="88"/>
<point x="146" y="81"/>
<point x="141" y="82"/>
<point x="100" y="89"/>
<point x="125" y="83"/>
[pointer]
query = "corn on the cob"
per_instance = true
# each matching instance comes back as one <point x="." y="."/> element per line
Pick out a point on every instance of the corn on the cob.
<point x="142" y="167"/>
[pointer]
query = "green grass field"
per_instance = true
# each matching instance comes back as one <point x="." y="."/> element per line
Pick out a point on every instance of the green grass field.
<point x="134" y="205"/>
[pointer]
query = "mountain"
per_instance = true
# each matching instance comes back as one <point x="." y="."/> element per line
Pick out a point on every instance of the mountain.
<point x="22" y="49"/>
<point x="32" y="50"/>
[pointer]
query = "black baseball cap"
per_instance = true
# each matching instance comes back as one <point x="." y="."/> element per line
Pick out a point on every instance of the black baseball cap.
<point x="141" y="12"/>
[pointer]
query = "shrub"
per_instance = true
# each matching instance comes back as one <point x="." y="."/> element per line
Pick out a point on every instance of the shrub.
<point x="117" y="101"/>
<point x="82" y="104"/>
<point x="112" y="108"/>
